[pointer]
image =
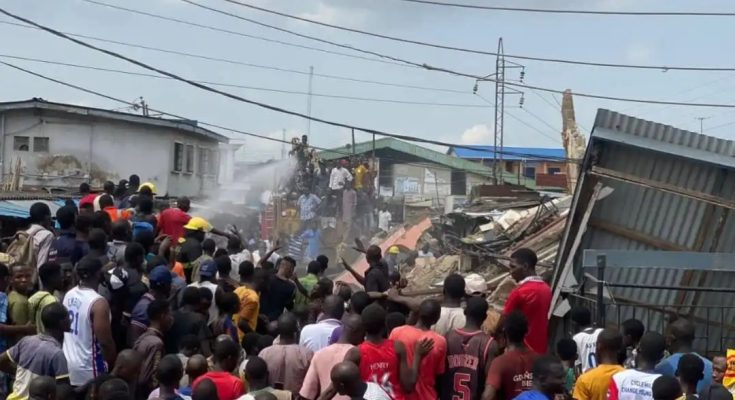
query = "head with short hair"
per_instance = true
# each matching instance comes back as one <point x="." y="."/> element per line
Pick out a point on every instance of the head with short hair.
<point x="234" y="245"/>
<point x="454" y="286"/>
<point x="226" y="354"/>
<point x="373" y="319"/>
<point x="286" y="266"/>
<point x="196" y="366"/>
<point x="55" y="318"/>
<point x="191" y="296"/>
<point x="184" y="204"/>
<point x="394" y="320"/>
<point x="246" y="270"/>
<point x="690" y="370"/>
<point x="323" y="261"/>
<point x="97" y="240"/>
<point x="84" y="188"/>
<point x="170" y="371"/>
<point x="523" y="264"/>
<point x="89" y="270"/>
<point x="314" y="268"/>
<point x="373" y="254"/>
<point x="134" y="181"/>
<point x="719" y="368"/>
<point x="66" y="216"/>
<point x="515" y="327"/>
<point x="476" y="310"/>
<point x="609" y="345"/>
<point x="429" y="312"/>
<point x="205" y="390"/>
<point x="42" y="388"/>
<point x="666" y="388"/>
<point x="145" y="238"/>
<point x="249" y="343"/>
<point x="145" y="205"/>
<point x="134" y="255"/>
<point x="206" y="297"/>
<point x="680" y="335"/>
<point x="333" y="307"/>
<point x="288" y="325"/>
<point x="127" y="365"/>
<point x="224" y="265"/>
<point x="346" y="379"/>
<point x="633" y="330"/>
<point x="581" y="316"/>
<point x="345" y="292"/>
<point x="159" y="313"/>
<point x="227" y="302"/>
<point x="115" y="388"/>
<point x="209" y="246"/>
<point x="548" y="375"/>
<point x="359" y="301"/>
<point x="83" y="223"/>
<point x="40" y="214"/>
<point x="105" y="201"/>
<point x="109" y="187"/>
<point x="566" y="349"/>
<point x="50" y="275"/>
<point x="651" y="348"/>
<point x="121" y="230"/>
<point x="256" y="371"/>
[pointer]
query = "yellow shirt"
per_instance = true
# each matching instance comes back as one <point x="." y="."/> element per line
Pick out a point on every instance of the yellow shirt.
<point x="249" y="308"/>
<point x="360" y="172"/>
<point x="593" y="384"/>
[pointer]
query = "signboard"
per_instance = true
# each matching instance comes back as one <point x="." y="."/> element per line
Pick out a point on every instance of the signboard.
<point x="407" y="185"/>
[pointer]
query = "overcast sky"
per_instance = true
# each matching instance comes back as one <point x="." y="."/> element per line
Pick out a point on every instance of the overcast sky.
<point x="693" y="41"/>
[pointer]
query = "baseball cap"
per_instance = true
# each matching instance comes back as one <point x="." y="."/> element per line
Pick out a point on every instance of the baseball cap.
<point x="474" y="284"/>
<point x="160" y="275"/>
<point x="394" y="250"/>
<point x="208" y="269"/>
<point x="198" y="224"/>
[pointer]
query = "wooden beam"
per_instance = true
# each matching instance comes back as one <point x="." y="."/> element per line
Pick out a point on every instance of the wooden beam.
<point x="664" y="187"/>
<point x="635" y="235"/>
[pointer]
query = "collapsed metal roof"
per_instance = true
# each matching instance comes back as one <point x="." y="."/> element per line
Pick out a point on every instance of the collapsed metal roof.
<point x="672" y="190"/>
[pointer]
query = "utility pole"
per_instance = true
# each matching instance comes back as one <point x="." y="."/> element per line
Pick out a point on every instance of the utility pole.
<point x="501" y="64"/>
<point x="701" y="124"/>
<point x="308" y="101"/>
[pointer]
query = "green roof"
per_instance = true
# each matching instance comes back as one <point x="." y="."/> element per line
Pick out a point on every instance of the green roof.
<point x="429" y="155"/>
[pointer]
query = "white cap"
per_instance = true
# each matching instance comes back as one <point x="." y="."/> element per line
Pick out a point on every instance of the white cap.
<point x="474" y="284"/>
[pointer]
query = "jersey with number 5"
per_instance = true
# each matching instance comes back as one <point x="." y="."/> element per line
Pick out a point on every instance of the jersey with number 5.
<point x="379" y="364"/>
<point x="81" y="349"/>
<point x="467" y="354"/>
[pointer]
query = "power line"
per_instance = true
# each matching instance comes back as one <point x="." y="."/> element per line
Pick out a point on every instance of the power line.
<point x="460" y="49"/>
<point x="246" y="64"/>
<point x="234" y="96"/>
<point x="555" y="139"/>
<point x="587" y="12"/>
<point x="325" y="95"/>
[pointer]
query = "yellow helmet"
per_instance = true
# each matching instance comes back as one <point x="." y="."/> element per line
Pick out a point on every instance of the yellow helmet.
<point x="198" y="224"/>
<point x="394" y="250"/>
<point x="149" y="185"/>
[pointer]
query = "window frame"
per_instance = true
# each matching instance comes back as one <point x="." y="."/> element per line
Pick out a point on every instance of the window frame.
<point x="18" y="147"/>
<point x="41" y="138"/>
<point x="178" y="161"/>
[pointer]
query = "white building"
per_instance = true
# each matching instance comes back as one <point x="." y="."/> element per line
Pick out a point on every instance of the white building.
<point x="62" y="145"/>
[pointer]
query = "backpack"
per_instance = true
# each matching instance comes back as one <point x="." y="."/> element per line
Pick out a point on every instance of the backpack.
<point x="21" y="250"/>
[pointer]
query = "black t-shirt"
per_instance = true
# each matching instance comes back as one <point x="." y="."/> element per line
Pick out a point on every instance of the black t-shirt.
<point x="376" y="280"/>
<point x="185" y="323"/>
<point x="191" y="249"/>
<point x="279" y="295"/>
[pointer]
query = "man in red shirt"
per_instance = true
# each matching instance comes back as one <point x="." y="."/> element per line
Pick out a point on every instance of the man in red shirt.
<point x="532" y="297"/>
<point x="226" y="357"/>
<point x="434" y="364"/>
<point x="511" y="373"/>
<point x="171" y="221"/>
<point x="87" y="200"/>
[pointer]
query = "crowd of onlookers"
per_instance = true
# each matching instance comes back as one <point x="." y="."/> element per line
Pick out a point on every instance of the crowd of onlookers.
<point x="114" y="300"/>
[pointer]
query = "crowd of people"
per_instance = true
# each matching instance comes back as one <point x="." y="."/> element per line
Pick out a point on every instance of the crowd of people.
<point x="115" y="301"/>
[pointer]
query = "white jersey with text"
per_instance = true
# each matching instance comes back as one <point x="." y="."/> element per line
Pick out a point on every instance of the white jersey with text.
<point x="632" y="384"/>
<point x="586" y="349"/>
<point x="81" y="349"/>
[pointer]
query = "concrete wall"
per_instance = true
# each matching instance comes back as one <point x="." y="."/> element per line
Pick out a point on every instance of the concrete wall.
<point x="95" y="150"/>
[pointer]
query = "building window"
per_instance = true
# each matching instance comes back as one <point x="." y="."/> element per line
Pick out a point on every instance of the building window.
<point x="21" y="143"/>
<point x="189" y="158"/>
<point x="204" y="161"/>
<point x="529" y="172"/>
<point x="554" y="171"/>
<point x="213" y="162"/>
<point x="178" y="157"/>
<point x="40" y="144"/>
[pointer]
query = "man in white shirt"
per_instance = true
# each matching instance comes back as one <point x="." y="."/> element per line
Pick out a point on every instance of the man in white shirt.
<point x="316" y="336"/>
<point x="346" y="381"/>
<point x="339" y="176"/>
<point x="586" y="338"/>
<point x="384" y="219"/>
<point x="637" y="384"/>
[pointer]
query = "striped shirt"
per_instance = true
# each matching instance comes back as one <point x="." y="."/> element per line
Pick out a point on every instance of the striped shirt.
<point x="34" y="356"/>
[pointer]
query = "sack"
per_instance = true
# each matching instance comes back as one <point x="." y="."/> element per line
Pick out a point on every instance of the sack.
<point x="21" y="249"/>
<point x="729" y="381"/>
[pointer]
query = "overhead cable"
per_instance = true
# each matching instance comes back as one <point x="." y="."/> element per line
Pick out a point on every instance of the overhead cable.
<point x="265" y="89"/>
<point x="588" y="12"/>
<point x="460" y="49"/>
<point x="246" y="64"/>
<point x="240" y="98"/>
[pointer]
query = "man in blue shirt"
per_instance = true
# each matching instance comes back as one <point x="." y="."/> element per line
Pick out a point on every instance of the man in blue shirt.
<point x="680" y="339"/>
<point x="548" y="380"/>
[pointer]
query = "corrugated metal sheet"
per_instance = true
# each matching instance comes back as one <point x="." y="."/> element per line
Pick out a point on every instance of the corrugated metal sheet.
<point x="683" y="159"/>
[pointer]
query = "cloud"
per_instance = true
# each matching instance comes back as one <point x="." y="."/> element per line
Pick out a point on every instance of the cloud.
<point x="337" y="15"/>
<point x="478" y="134"/>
